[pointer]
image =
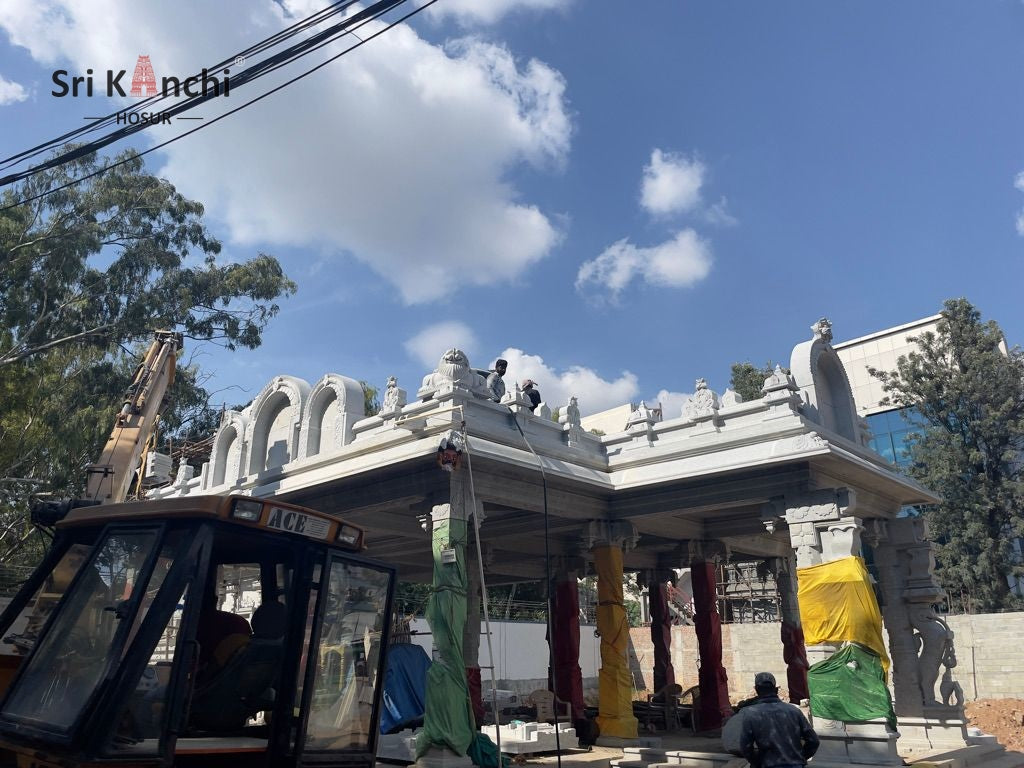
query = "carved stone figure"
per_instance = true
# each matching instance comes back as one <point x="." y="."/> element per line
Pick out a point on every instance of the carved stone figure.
<point x="453" y="371"/>
<point x="394" y="397"/>
<point x="949" y="689"/>
<point x="933" y="637"/>
<point x="823" y="330"/>
<point x="571" y="414"/>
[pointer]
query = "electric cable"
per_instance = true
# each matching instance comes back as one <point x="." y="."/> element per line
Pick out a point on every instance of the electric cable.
<point x="547" y="584"/>
<point x="76" y="153"/>
<point x="150" y="101"/>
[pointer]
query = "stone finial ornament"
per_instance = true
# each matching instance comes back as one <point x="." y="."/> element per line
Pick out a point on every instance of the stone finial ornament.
<point x="703" y="405"/>
<point x="644" y="414"/>
<point x="823" y="330"/>
<point x="394" y="397"/>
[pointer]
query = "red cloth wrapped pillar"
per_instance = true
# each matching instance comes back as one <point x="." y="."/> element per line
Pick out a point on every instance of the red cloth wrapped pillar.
<point x="661" y="636"/>
<point x="476" y="698"/>
<point x="713" y="680"/>
<point x="795" y="656"/>
<point x="566" y="677"/>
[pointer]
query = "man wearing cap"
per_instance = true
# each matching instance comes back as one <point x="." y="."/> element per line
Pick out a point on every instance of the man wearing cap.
<point x="775" y="734"/>
<point x="531" y="393"/>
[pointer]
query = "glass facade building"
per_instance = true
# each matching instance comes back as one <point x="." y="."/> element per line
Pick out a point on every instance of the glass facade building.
<point x="890" y="434"/>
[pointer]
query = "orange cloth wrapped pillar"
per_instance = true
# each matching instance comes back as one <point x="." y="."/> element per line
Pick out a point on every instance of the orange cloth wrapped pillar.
<point x="615" y="684"/>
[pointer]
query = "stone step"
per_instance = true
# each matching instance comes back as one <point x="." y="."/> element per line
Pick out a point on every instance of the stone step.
<point x="988" y="755"/>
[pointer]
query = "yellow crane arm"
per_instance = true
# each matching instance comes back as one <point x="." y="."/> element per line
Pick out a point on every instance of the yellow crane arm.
<point x="110" y="478"/>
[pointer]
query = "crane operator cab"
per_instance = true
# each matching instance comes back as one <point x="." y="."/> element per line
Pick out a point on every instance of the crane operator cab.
<point x="196" y="632"/>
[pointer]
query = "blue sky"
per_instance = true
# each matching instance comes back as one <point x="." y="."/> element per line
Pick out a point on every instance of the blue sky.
<point x="622" y="196"/>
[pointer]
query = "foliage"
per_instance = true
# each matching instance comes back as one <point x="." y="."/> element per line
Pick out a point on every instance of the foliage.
<point x="371" y="405"/>
<point x="968" y="397"/>
<point x="104" y="263"/>
<point x="747" y="379"/>
<point x="86" y="275"/>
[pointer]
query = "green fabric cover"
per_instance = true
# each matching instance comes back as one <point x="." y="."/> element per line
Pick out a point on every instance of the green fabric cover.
<point x="448" y="719"/>
<point x="484" y="753"/>
<point x="850" y="686"/>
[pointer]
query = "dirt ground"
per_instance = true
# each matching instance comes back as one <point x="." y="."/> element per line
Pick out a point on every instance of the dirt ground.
<point x="1003" y="718"/>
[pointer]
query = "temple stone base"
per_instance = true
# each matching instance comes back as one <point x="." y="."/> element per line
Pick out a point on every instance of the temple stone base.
<point x="920" y="734"/>
<point x="615" y="742"/>
<point x="868" y="743"/>
<point x="443" y="758"/>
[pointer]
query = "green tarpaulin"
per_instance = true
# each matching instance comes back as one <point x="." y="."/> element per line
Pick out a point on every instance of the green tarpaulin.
<point x="850" y="686"/>
<point x="448" y="719"/>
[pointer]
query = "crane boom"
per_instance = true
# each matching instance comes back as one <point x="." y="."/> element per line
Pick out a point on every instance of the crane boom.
<point x="110" y="477"/>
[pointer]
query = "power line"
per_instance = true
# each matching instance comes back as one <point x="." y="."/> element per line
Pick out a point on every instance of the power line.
<point x="358" y="20"/>
<point x="147" y="103"/>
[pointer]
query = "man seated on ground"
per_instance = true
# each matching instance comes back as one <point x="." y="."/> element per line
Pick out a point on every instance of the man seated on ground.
<point x="775" y="734"/>
<point x="219" y="635"/>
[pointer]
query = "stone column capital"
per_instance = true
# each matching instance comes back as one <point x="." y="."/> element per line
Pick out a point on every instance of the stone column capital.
<point x="820" y="505"/>
<point x="611" y="533"/>
<point x="708" y="551"/>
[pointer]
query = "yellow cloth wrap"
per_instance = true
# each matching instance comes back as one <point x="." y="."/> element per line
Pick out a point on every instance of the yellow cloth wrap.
<point x="615" y="684"/>
<point x="837" y="604"/>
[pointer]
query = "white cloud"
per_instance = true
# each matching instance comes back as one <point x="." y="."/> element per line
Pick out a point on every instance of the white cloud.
<point x="428" y="345"/>
<point x="11" y="92"/>
<point x="671" y="183"/>
<point x="1018" y="183"/>
<point x="672" y="403"/>
<point x="719" y="215"/>
<point x="474" y="12"/>
<point x="397" y="154"/>
<point x="556" y="387"/>
<point x="676" y="263"/>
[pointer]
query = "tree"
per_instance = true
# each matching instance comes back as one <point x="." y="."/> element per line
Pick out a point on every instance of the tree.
<point x="105" y="262"/>
<point x="747" y="379"/>
<point x="967" y="399"/>
<point x="86" y="275"/>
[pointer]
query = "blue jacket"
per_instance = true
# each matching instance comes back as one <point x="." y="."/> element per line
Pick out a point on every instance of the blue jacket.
<point x="776" y="734"/>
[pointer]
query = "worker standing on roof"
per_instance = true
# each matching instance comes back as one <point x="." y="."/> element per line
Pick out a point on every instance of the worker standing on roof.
<point x="495" y="385"/>
<point x="775" y="734"/>
<point x="532" y="393"/>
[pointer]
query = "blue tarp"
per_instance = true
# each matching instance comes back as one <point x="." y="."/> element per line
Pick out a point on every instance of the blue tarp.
<point x="405" y="687"/>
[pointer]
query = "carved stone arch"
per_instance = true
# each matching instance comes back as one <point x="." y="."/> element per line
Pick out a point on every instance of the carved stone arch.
<point x="229" y="455"/>
<point x="824" y="386"/>
<point x="335" y="404"/>
<point x="275" y="423"/>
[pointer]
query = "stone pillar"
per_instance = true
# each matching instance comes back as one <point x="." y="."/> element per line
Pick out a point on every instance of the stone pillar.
<point x="566" y="677"/>
<point x="712" y="677"/>
<point x="823" y="528"/>
<point x="920" y="642"/>
<point x="471" y="638"/>
<point x="448" y="721"/>
<point x="661" y="630"/>
<point x="607" y="539"/>
<point x="792" y="633"/>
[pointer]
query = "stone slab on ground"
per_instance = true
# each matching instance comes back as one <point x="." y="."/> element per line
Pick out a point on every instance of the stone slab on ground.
<point x="651" y="742"/>
<point x="397" y="747"/>
<point x="528" y="738"/>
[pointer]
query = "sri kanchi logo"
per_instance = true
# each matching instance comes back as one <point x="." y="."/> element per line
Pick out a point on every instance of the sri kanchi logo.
<point x="143" y="78"/>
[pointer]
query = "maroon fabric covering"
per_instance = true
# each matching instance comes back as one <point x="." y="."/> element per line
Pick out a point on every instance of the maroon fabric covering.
<point x="565" y="646"/>
<point x="714" y="683"/>
<point x="795" y="655"/>
<point x="661" y="636"/>
<point x="476" y="698"/>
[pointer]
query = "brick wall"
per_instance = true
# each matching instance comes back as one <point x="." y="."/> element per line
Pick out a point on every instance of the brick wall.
<point x="990" y="663"/>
